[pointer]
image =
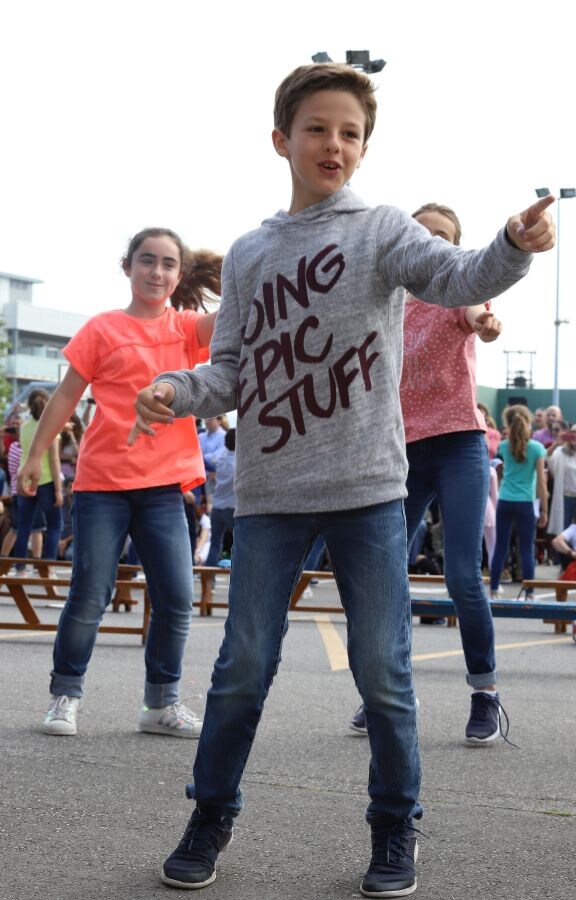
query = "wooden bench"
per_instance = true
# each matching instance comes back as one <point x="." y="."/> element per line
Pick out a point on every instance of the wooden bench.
<point x="24" y="588"/>
<point x="207" y="574"/>
<point x="560" y="588"/>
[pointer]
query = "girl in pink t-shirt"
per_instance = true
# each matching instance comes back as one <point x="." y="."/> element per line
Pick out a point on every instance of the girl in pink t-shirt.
<point x="135" y="491"/>
<point x="448" y="463"/>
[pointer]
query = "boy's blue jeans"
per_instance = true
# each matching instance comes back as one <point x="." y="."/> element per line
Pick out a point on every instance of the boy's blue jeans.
<point x="368" y="551"/>
<point x="454" y="469"/>
<point x="154" y="517"/>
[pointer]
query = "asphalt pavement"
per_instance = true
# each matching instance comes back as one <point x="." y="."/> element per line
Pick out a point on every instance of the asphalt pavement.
<point x="93" y="816"/>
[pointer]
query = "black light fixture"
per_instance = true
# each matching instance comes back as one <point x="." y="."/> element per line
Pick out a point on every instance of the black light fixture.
<point x="542" y="192"/>
<point x="358" y="59"/>
<point x="321" y="57"/>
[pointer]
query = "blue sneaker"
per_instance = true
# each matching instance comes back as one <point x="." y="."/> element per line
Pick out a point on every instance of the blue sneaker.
<point x="484" y="723"/>
<point x="192" y="865"/>
<point x="392" y="870"/>
<point x="358" y="721"/>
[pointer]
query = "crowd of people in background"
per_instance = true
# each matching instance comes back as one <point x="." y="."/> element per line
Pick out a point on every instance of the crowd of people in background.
<point x="210" y="507"/>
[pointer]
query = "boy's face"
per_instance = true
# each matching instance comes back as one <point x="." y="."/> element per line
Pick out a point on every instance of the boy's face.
<point x="325" y="147"/>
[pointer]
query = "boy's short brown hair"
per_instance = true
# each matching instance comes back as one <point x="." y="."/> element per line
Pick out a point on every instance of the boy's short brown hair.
<point x="307" y="80"/>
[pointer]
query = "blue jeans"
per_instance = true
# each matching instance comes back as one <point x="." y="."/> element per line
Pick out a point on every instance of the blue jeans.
<point x="102" y="520"/>
<point x="569" y="510"/>
<point x="45" y="499"/>
<point x="453" y="468"/>
<point x="221" y="521"/>
<point x="507" y="513"/>
<point x="368" y="551"/>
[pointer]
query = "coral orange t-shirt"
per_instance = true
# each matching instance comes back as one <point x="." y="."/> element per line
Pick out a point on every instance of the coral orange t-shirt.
<point x="119" y="355"/>
<point x="438" y="387"/>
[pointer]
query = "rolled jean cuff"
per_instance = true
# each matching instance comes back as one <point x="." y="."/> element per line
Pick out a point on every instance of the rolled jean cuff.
<point x="66" y="685"/>
<point x="158" y="695"/>
<point x="481" y="681"/>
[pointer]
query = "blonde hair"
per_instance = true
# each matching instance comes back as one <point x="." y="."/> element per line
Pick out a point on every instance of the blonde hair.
<point x="518" y="420"/>
<point x="445" y="211"/>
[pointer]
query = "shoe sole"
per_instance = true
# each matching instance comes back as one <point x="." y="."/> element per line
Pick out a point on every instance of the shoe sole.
<point x="187" y="885"/>
<point x="481" y="742"/>
<point x="195" y="886"/>
<point x="61" y="729"/>
<point x="363" y="732"/>
<point x="403" y="892"/>
<point x="169" y="732"/>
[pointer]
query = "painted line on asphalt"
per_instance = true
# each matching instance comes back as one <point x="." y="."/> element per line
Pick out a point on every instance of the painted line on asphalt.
<point x="338" y="656"/>
<point x="333" y="644"/>
<point x="516" y="646"/>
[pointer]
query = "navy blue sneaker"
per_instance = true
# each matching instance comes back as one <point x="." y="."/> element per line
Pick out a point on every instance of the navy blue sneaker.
<point x="484" y="723"/>
<point x="192" y="865"/>
<point x="392" y="870"/>
<point x="358" y="722"/>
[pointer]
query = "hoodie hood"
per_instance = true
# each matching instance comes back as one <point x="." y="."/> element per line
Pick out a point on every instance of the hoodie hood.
<point x="342" y="201"/>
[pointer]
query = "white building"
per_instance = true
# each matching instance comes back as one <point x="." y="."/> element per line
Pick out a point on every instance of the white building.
<point x="35" y="334"/>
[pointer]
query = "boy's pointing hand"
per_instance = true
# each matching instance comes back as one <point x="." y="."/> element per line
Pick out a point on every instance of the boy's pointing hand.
<point x="152" y="405"/>
<point x="533" y="230"/>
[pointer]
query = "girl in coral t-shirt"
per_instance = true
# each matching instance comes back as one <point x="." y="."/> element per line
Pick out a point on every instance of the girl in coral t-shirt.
<point x="135" y="491"/>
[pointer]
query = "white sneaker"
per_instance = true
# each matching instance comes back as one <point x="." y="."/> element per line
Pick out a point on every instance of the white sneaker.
<point x="307" y="593"/>
<point x="175" y="720"/>
<point x="61" y="716"/>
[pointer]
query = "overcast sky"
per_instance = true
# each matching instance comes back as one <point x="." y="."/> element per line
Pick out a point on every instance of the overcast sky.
<point x="160" y="113"/>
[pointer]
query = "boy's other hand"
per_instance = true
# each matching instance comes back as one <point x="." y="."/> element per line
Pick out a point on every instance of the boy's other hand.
<point x="487" y="326"/>
<point x="152" y="405"/>
<point x="533" y="230"/>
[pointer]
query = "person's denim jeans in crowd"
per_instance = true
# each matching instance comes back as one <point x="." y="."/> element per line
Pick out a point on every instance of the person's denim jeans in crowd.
<point x="368" y="552"/>
<point x="453" y="468"/>
<point x="520" y="513"/>
<point x="569" y="510"/>
<point x="45" y="499"/>
<point x="154" y="518"/>
<point x="221" y="521"/>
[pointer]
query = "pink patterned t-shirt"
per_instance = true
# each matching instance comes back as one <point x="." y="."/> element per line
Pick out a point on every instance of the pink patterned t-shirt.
<point x="438" y="387"/>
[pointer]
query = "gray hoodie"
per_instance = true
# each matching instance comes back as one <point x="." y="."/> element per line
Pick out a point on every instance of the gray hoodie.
<point x="308" y="348"/>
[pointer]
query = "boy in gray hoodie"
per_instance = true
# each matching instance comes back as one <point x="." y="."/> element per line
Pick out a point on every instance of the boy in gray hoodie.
<point x="308" y="348"/>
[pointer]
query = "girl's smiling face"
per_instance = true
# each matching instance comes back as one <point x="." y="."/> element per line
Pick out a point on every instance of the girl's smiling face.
<point x="154" y="272"/>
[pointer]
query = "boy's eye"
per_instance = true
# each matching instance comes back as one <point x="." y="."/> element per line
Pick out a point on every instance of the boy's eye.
<point x="352" y="134"/>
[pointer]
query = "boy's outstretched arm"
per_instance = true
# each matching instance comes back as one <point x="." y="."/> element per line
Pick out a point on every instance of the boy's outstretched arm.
<point x="533" y="230"/>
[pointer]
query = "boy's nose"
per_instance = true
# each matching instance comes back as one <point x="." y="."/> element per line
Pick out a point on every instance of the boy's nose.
<point x="332" y="142"/>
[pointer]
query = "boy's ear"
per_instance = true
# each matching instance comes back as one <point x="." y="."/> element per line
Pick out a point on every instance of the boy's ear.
<point x="280" y="142"/>
<point x="362" y="155"/>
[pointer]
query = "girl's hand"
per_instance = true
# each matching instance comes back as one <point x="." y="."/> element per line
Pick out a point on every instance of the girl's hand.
<point x="487" y="326"/>
<point x="58" y="501"/>
<point x="152" y="405"/>
<point x="533" y="230"/>
<point x="543" y="520"/>
<point x="28" y="478"/>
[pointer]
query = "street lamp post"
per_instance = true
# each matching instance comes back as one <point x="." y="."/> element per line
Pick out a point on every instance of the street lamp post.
<point x="565" y="194"/>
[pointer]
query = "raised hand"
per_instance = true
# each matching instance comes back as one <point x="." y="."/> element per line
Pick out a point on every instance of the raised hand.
<point x="533" y="230"/>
